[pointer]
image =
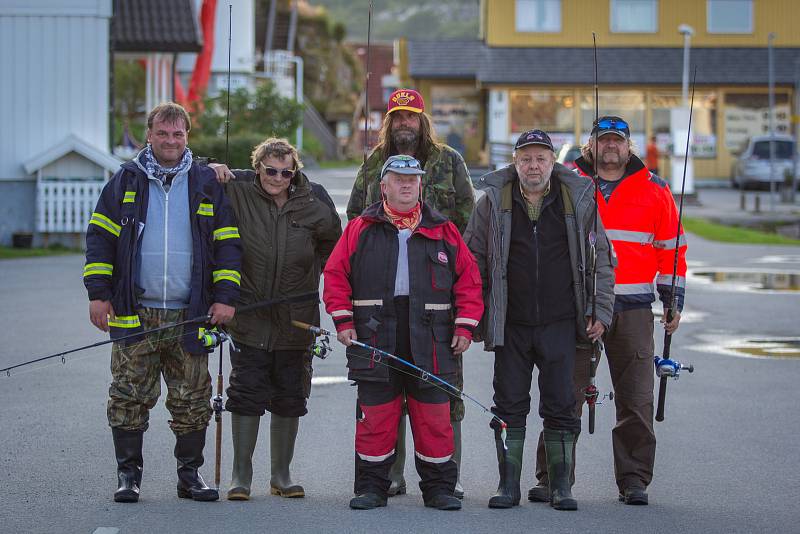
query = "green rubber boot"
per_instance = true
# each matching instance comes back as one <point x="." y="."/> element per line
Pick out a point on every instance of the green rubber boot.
<point x="398" y="485"/>
<point x="509" y="462"/>
<point x="282" y="436"/>
<point x="559" y="447"/>
<point x="244" y="431"/>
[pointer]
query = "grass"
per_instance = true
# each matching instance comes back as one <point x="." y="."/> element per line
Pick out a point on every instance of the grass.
<point x="7" y="253"/>
<point x="733" y="234"/>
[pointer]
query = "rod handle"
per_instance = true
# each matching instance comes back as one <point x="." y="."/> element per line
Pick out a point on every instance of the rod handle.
<point x="662" y="396"/>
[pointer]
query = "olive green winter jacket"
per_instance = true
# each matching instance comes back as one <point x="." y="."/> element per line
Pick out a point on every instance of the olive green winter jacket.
<point x="284" y="252"/>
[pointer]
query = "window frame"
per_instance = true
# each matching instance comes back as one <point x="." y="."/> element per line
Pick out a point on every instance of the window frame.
<point x="654" y="20"/>
<point x="710" y="30"/>
<point x="517" y="19"/>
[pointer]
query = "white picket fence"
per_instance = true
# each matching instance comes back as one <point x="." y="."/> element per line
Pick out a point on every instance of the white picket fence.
<point x="66" y="205"/>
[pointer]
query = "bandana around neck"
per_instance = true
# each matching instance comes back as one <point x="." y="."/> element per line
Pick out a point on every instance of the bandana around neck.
<point x="404" y="219"/>
<point x="148" y="160"/>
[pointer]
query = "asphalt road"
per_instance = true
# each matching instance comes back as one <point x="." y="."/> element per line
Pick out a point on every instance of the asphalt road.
<point x="727" y="453"/>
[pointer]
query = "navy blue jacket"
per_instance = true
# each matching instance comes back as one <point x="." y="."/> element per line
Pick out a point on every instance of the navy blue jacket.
<point x="112" y="241"/>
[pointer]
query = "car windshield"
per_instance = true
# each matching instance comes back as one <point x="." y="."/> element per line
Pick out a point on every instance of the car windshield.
<point x="783" y="149"/>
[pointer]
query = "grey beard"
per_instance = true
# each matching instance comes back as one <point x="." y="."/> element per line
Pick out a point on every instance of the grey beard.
<point x="405" y="141"/>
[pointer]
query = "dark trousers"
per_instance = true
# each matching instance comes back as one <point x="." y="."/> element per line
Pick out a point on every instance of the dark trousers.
<point x="378" y="410"/>
<point x="551" y="348"/>
<point x="273" y="381"/>
<point x="629" y="348"/>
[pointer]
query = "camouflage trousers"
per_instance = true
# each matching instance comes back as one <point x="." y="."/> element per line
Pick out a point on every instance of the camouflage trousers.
<point x="136" y="372"/>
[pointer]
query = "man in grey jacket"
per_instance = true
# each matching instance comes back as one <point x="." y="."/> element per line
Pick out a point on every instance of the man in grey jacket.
<point x="530" y="234"/>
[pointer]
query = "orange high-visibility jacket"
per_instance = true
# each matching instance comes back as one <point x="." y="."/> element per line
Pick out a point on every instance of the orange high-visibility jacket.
<point x="641" y="220"/>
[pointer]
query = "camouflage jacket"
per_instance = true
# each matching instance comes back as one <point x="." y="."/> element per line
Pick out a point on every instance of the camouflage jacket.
<point x="446" y="185"/>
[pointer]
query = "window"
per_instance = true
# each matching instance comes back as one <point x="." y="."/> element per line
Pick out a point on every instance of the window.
<point x="704" y="122"/>
<point x="630" y="105"/>
<point x="729" y="16"/>
<point x="747" y="114"/>
<point x="538" y="16"/>
<point x="551" y="111"/>
<point x="634" y="16"/>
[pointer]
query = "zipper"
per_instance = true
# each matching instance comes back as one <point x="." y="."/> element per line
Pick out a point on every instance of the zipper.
<point x="536" y="255"/>
<point x="166" y="247"/>
<point x="435" y="359"/>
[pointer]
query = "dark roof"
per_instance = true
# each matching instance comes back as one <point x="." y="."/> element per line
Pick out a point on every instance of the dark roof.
<point x="460" y="59"/>
<point x="156" y="26"/>
<point x="445" y="59"/>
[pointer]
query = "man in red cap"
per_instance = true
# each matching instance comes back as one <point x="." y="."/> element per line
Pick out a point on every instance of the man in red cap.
<point x="446" y="187"/>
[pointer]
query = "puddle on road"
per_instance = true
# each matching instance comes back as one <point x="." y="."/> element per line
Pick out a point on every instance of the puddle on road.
<point x="753" y="280"/>
<point x="776" y="347"/>
<point x="767" y="348"/>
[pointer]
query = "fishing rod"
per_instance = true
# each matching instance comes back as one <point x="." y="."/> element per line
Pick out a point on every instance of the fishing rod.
<point x="216" y="403"/>
<point x="366" y="104"/>
<point x="212" y="337"/>
<point x="424" y="375"/>
<point x="591" y="393"/>
<point x="665" y="366"/>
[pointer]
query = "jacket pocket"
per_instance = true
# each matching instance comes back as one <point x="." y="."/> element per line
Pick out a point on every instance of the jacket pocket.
<point x="439" y="268"/>
<point x="443" y="359"/>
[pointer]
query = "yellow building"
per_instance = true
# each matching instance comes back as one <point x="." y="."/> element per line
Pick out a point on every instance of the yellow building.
<point x="533" y="66"/>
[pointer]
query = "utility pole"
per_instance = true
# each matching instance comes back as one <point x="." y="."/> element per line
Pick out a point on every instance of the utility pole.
<point x="771" y="66"/>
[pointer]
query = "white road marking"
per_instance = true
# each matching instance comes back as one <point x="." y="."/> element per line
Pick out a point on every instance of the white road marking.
<point x="106" y="530"/>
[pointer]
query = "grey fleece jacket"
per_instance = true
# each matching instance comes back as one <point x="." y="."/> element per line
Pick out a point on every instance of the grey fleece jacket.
<point x="488" y="236"/>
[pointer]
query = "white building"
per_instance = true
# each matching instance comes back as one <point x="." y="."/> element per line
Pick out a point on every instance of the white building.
<point x="54" y="104"/>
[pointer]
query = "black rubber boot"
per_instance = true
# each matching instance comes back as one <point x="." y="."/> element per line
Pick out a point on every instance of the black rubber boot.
<point x="444" y="501"/>
<point x="189" y="453"/>
<point x="559" y="445"/>
<point x="509" y="464"/>
<point x="398" y="485"/>
<point x="282" y="437"/>
<point x="367" y="501"/>
<point x="540" y="492"/>
<point x="128" y="450"/>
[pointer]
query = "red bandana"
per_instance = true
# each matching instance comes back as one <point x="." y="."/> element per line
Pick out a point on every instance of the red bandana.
<point x="404" y="219"/>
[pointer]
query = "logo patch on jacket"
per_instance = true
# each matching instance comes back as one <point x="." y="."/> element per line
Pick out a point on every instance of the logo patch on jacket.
<point x="442" y="257"/>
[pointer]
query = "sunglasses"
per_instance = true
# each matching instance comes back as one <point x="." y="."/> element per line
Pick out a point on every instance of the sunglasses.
<point x="410" y="163"/>
<point x="272" y="171"/>
<point x="612" y="124"/>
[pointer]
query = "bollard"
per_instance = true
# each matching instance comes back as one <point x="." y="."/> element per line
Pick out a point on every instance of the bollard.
<point x="742" y="201"/>
<point x="757" y="208"/>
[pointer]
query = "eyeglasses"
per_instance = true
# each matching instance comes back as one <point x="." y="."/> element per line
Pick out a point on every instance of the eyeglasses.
<point x="272" y="171"/>
<point x="612" y="124"/>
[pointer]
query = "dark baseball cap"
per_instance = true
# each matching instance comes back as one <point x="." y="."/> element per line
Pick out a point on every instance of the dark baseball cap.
<point x="611" y="124"/>
<point x="534" y="137"/>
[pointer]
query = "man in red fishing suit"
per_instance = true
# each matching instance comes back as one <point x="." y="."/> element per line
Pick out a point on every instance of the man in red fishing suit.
<point x="402" y="279"/>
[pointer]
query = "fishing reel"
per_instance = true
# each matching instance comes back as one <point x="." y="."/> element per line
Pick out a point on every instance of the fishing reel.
<point x="666" y="367"/>
<point x="593" y="397"/>
<point x="212" y="338"/>
<point x="320" y="347"/>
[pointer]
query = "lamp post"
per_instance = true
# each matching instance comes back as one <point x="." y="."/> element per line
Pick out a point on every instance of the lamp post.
<point x="679" y="120"/>
<point x="771" y="76"/>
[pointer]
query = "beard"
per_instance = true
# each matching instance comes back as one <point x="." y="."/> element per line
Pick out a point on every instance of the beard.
<point x="405" y="139"/>
<point x="611" y="160"/>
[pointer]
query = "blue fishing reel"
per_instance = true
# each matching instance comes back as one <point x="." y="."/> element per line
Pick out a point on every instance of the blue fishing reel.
<point x="666" y="367"/>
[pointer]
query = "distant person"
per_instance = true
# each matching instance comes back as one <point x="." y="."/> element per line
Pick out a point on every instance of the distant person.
<point x="446" y="187"/>
<point x="537" y="304"/>
<point x="288" y="227"/>
<point x="402" y="279"/>
<point x="652" y="155"/>
<point x="641" y="220"/>
<point x="162" y="246"/>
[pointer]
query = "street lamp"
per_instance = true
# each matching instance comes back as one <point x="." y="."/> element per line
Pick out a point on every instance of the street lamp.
<point x="679" y="120"/>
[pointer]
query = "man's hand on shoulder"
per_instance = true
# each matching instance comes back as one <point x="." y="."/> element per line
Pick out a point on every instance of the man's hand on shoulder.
<point x="222" y="172"/>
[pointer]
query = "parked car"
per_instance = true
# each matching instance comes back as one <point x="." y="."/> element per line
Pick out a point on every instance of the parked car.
<point x="567" y="155"/>
<point x="753" y="166"/>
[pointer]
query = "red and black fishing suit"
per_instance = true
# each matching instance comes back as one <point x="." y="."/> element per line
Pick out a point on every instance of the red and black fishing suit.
<point x="444" y="300"/>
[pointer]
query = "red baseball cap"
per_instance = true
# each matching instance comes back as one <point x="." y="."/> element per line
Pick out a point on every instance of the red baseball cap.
<point x="407" y="99"/>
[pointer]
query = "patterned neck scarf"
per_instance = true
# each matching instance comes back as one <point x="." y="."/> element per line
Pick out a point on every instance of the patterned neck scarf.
<point x="148" y="160"/>
<point x="404" y="219"/>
